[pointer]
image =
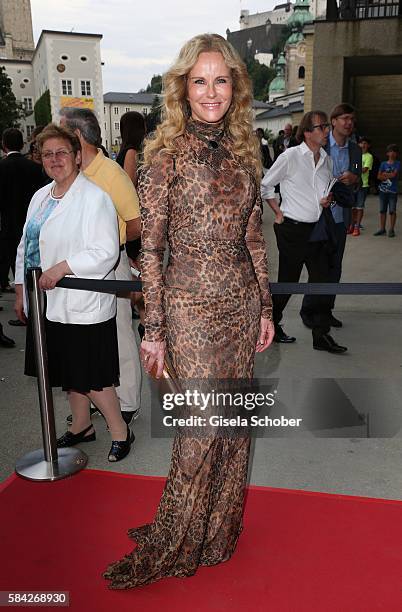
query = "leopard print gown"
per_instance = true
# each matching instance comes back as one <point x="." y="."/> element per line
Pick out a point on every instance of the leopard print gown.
<point x="207" y="306"/>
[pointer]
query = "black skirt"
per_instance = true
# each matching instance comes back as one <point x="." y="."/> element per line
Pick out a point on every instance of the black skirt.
<point x="81" y="358"/>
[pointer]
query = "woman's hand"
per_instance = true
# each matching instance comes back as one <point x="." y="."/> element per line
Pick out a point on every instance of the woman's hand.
<point x="152" y="356"/>
<point x="51" y="277"/>
<point x="19" y="304"/>
<point x="327" y="201"/>
<point x="267" y="332"/>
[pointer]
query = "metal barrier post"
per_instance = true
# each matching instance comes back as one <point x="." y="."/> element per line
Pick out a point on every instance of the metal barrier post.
<point x="49" y="463"/>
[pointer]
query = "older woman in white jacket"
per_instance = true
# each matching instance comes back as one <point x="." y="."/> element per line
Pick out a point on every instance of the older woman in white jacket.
<point x="71" y="229"/>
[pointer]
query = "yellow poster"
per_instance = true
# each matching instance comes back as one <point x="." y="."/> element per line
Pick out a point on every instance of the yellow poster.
<point x="71" y="102"/>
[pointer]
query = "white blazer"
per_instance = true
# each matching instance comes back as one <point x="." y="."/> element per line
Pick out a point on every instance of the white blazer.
<point x="82" y="230"/>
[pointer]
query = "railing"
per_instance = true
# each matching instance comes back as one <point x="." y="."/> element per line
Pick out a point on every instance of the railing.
<point x="363" y="9"/>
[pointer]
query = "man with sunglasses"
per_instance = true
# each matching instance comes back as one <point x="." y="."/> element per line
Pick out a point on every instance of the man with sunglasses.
<point x="346" y="156"/>
<point x="304" y="173"/>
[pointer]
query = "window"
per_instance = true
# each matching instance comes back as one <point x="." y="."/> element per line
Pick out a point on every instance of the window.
<point x="27" y="104"/>
<point x="83" y="58"/>
<point x="67" y="87"/>
<point x="116" y="142"/>
<point x="26" y="80"/>
<point x="30" y="129"/>
<point x="105" y="125"/>
<point x="116" y="125"/>
<point x="145" y="111"/>
<point x="85" y="88"/>
<point x="116" y="110"/>
<point x="127" y="109"/>
<point x="302" y="72"/>
<point x="64" y="57"/>
<point x="104" y="110"/>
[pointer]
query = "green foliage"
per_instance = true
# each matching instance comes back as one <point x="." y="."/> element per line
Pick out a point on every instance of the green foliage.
<point x="154" y="116"/>
<point x="155" y="85"/>
<point x="42" y="109"/>
<point x="261" y="76"/>
<point x="11" y="111"/>
<point x="280" y="45"/>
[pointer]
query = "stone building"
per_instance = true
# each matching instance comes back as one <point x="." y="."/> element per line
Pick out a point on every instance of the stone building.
<point x="355" y="56"/>
<point x="67" y="65"/>
<point x="16" y="37"/>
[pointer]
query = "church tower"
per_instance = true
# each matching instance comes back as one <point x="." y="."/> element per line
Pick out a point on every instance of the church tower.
<point x="16" y="35"/>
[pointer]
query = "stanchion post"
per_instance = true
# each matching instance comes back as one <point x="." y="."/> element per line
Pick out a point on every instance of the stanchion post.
<point x="35" y="297"/>
<point x="49" y="463"/>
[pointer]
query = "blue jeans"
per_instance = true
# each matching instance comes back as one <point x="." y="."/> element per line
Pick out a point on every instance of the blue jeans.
<point x="388" y="202"/>
<point x="361" y="197"/>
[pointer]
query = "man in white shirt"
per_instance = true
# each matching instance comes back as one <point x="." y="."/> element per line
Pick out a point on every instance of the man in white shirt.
<point x="304" y="173"/>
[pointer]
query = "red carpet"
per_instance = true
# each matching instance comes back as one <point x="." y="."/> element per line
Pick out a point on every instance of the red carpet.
<point x="299" y="552"/>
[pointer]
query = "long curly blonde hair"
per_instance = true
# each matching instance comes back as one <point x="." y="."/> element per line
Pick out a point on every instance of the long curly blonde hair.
<point x="175" y="111"/>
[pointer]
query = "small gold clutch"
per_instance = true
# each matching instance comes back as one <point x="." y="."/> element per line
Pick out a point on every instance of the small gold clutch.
<point x="168" y="382"/>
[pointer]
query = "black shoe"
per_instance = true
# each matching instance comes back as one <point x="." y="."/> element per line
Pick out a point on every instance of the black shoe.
<point x="70" y="439"/>
<point x="141" y="330"/>
<point x="92" y="412"/>
<point x="280" y="336"/>
<point x="326" y="343"/>
<point x="5" y="340"/>
<point x="307" y="320"/>
<point x="130" y="415"/>
<point x="121" y="448"/>
<point x="334" y="322"/>
<point x="16" y="323"/>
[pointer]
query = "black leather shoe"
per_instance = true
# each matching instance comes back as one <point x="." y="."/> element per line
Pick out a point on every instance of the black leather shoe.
<point x="121" y="448"/>
<point x="92" y="412"/>
<point x="307" y="320"/>
<point x="280" y="336"/>
<point x="326" y="343"/>
<point x="5" y="340"/>
<point x="16" y="323"/>
<point x="334" y="322"/>
<point x="70" y="439"/>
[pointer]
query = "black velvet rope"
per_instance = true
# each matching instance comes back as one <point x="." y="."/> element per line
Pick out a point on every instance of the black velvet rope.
<point x="110" y="286"/>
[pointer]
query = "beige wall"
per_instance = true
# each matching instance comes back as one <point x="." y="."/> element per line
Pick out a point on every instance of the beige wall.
<point x="295" y="57"/>
<point x="16" y="20"/>
<point x="335" y="41"/>
<point x="378" y="100"/>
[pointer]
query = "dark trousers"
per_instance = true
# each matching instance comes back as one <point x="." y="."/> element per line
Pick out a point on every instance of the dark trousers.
<point x="8" y="253"/>
<point x="334" y="269"/>
<point x="295" y="250"/>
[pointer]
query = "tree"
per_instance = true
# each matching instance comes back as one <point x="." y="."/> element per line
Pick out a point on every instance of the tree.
<point x="155" y="85"/>
<point x="42" y="109"/>
<point x="280" y="45"/>
<point x="11" y="111"/>
<point x="154" y="116"/>
<point x="261" y="76"/>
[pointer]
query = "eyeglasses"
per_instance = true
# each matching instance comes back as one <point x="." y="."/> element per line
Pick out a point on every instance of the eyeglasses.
<point x="62" y="154"/>
<point x="321" y="126"/>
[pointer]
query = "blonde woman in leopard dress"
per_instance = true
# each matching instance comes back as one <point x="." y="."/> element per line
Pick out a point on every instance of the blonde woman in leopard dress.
<point x="211" y="309"/>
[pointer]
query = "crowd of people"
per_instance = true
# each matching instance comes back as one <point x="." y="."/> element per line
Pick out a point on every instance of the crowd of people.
<point x="312" y="223"/>
<point x="204" y="176"/>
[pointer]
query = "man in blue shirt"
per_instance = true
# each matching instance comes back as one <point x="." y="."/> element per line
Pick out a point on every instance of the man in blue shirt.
<point x="346" y="156"/>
